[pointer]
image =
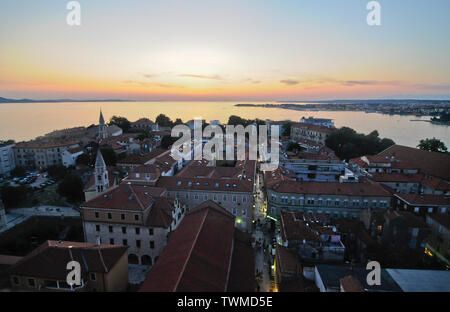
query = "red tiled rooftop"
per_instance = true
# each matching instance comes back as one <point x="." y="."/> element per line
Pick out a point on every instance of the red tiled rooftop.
<point x="331" y="188"/>
<point x="425" y="199"/>
<point x="49" y="260"/>
<point x="198" y="254"/>
<point x="433" y="163"/>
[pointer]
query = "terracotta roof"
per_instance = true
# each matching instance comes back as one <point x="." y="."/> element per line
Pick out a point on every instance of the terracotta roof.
<point x="207" y="184"/>
<point x="436" y="164"/>
<point x="9" y="260"/>
<point x="122" y="197"/>
<point x="35" y="144"/>
<point x="75" y="150"/>
<point x="351" y="284"/>
<point x="140" y="159"/>
<point x="294" y="228"/>
<point x="313" y="127"/>
<point x="50" y="259"/>
<point x="197" y="256"/>
<point x="331" y="188"/>
<point x="242" y="270"/>
<point x="287" y="262"/>
<point x="396" y="177"/>
<point x="424" y="199"/>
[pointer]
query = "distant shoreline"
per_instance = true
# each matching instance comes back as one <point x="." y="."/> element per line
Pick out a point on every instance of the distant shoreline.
<point x="384" y="108"/>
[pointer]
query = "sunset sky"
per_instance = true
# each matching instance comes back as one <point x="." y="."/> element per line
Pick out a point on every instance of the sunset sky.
<point x="260" y="50"/>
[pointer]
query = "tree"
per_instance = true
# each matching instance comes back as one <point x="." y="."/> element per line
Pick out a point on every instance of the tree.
<point x="120" y="122"/>
<point x="12" y="196"/>
<point x="109" y="156"/>
<point x="178" y="121"/>
<point x="57" y="171"/>
<point x="18" y="172"/>
<point x="71" y="187"/>
<point x="163" y="121"/>
<point x="347" y="143"/>
<point x="286" y="129"/>
<point x="84" y="159"/>
<point x="167" y="141"/>
<point x="432" y="145"/>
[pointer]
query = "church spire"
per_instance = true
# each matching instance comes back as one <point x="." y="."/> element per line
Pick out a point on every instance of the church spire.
<point x="101" y="174"/>
<point x="101" y="120"/>
<point x="102" y="131"/>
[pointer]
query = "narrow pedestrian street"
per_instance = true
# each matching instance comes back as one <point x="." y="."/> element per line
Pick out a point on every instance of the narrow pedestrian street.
<point x="263" y="241"/>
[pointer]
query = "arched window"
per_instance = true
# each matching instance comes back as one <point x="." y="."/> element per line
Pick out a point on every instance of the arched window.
<point x="146" y="260"/>
<point x="133" y="259"/>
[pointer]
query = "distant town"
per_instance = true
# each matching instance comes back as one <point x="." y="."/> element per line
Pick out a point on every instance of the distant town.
<point x="418" y="108"/>
<point x="112" y="197"/>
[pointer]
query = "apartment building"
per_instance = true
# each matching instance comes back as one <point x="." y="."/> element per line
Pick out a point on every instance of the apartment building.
<point x="310" y="132"/>
<point x="422" y="204"/>
<point x="319" y="165"/>
<point x="7" y="161"/>
<point x="231" y="186"/>
<point x="136" y="216"/>
<point x="69" y="157"/>
<point x="333" y="198"/>
<point x="438" y="243"/>
<point x="103" y="268"/>
<point x="41" y="155"/>
<point x="309" y="238"/>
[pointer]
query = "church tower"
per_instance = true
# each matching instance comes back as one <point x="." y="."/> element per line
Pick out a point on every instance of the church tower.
<point x="101" y="174"/>
<point x="102" y="132"/>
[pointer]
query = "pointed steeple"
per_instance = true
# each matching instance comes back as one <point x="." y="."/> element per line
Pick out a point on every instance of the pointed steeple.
<point x="102" y="131"/>
<point x="101" y="174"/>
<point x="101" y="120"/>
<point x="99" y="161"/>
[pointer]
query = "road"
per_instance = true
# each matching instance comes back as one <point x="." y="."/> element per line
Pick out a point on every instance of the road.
<point x="263" y="237"/>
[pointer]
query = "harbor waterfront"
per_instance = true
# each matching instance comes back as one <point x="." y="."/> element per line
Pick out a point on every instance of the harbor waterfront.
<point x="26" y="121"/>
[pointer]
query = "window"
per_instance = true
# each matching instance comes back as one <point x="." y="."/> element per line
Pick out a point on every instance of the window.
<point x="93" y="277"/>
<point x="224" y="197"/>
<point x="111" y="241"/>
<point x="152" y="244"/>
<point x="31" y="282"/>
<point x="234" y="198"/>
<point x="138" y="243"/>
<point x="150" y="231"/>
<point x="109" y="215"/>
<point x="136" y="217"/>
<point x="96" y="215"/>
<point x="125" y="242"/>
<point x="244" y="199"/>
<point x="97" y="228"/>
<point x="124" y="229"/>
<point x="205" y="197"/>
<point x="244" y="212"/>
<point x="15" y="280"/>
<point x="416" y="209"/>
<point x="234" y="211"/>
<point x="122" y="216"/>
<point x="215" y="197"/>
<point x="138" y="231"/>
<point x="110" y="229"/>
<point x="196" y="196"/>
<point x="430" y="210"/>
